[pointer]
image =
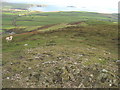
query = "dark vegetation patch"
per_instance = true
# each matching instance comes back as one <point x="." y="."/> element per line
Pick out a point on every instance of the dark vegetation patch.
<point x="75" y="23"/>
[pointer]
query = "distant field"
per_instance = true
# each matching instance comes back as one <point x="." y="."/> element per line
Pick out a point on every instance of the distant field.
<point x="30" y="18"/>
<point x="6" y="5"/>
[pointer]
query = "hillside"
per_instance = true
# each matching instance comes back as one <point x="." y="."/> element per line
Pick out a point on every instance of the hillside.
<point x="59" y="49"/>
<point x="7" y="5"/>
<point x="19" y="21"/>
<point x="77" y="56"/>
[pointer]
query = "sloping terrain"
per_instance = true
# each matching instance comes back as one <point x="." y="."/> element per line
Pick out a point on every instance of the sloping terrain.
<point x="24" y="20"/>
<point x="78" y="56"/>
<point x="8" y="5"/>
<point x="59" y="49"/>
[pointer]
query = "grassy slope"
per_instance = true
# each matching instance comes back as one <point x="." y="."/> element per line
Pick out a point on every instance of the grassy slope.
<point x="11" y="20"/>
<point x="62" y="51"/>
<point x="35" y="19"/>
<point x="74" y="56"/>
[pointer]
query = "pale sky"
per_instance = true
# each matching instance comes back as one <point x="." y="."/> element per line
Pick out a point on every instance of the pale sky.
<point x="109" y="6"/>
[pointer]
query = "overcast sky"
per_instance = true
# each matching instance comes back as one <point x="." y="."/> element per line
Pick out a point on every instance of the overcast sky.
<point x="110" y="6"/>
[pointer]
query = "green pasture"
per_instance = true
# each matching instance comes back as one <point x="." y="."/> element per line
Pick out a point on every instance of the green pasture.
<point x="47" y="18"/>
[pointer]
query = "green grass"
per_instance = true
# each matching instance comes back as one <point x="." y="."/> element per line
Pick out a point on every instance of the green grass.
<point x="45" y="18"/>
<point x="93" y="33"/>
<point x="8" y="27"/>
<point x="63" y="51"/>
<point x="96" y="43"/>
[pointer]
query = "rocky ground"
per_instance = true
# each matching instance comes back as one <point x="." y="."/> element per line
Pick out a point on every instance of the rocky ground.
<point x="67" y="68"/>
<point x="73" y="58"/>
